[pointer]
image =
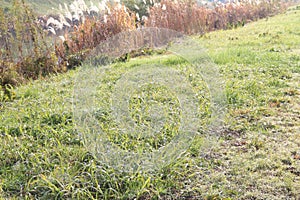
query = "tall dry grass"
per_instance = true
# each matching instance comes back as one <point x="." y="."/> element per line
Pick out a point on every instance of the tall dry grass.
<point x="189" y="18"/>
<point x="88" y="35"/>
<point x="28" y="52"/>
<point x="25" y="53"/>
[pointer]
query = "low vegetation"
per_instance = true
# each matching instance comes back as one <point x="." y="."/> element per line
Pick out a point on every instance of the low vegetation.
<point x="256" y="155"/>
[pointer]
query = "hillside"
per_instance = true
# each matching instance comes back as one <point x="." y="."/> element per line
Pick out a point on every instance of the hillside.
<point x="256" y="154"/>
<point x="41" y="7"/>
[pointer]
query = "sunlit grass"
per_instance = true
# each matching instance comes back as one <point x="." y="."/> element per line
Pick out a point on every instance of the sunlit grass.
<point x="257" y="155"/>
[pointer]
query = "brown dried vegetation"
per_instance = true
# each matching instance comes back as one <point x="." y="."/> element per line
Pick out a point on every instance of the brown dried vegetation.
<point x="29" y="52"/>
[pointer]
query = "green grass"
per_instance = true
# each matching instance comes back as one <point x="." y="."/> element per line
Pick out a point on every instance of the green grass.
<point x="257" y="155"/>
<point x="42" y="7"/>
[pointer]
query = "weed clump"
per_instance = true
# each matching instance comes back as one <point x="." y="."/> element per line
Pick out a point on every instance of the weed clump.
<point x="25" y="50"/>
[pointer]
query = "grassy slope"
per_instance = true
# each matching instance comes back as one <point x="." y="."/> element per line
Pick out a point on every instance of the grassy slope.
<point x="42" y="7"/>
<point x="257" y="156"/>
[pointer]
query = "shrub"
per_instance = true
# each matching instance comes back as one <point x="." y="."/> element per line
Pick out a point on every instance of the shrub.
<point x="25" y="52"/>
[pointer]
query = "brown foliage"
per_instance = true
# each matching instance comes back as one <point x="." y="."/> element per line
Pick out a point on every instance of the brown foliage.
<point x="91" y="33"/>
<point x="26" y="52"/>
<point x="189" y="18"/>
